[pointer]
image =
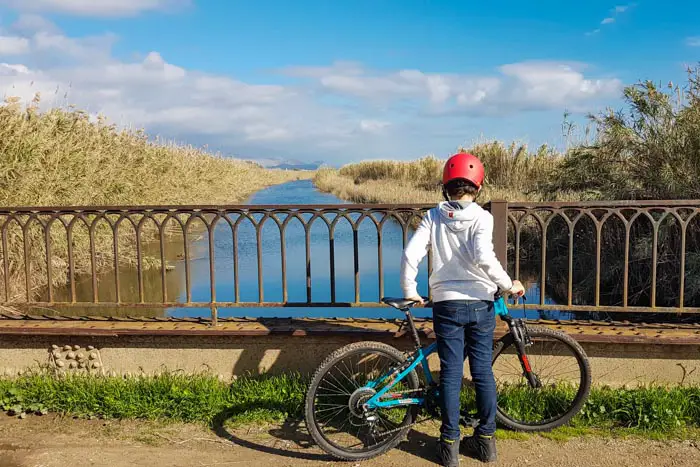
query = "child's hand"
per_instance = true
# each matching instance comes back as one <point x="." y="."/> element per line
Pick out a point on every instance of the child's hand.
<point x="517" y="289"/>
<point x="417" y="298"/>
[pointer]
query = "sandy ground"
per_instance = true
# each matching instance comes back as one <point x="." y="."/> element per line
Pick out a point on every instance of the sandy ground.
<point x="53" y="441"/>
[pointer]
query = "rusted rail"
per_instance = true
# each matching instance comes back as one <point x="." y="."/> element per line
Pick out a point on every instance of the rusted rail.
<point x="611" y="257"/>
<point x="633" y="237"/>
<point x="35" y="235"/>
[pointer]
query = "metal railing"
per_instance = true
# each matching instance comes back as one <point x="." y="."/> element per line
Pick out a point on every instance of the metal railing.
<point x="555" y="241"/>
<point x="175" y="227"/>
<point x="628" y="248"/>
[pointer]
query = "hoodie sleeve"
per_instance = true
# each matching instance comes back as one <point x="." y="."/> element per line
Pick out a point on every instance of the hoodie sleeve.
<point x="413" y="254"/>
<point x="486" y="256"/>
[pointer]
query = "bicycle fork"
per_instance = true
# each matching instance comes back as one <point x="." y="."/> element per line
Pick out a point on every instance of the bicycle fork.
<point x="521" y="339"/>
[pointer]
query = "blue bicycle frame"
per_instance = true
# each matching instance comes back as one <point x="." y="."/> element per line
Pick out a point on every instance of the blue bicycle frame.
<point x="419" y="357"/>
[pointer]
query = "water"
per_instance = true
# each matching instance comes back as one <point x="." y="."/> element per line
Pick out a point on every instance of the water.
<point x="303" y="192"/>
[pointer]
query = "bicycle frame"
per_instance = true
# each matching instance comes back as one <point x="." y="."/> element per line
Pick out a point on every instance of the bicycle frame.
<point x="419" y="357"/>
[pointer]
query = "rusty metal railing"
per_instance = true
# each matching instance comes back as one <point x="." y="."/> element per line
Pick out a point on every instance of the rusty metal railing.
<point x="112" y="237"/>
<point x="636" y="257"/>
<point x="621" y="251"/>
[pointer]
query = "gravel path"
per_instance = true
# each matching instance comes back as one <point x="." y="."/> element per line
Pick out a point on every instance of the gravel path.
<point x="53" y="442"/>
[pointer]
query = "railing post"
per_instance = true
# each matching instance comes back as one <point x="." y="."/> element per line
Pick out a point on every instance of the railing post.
<point x="214" y="315"/>
<point x="499" y="211"/>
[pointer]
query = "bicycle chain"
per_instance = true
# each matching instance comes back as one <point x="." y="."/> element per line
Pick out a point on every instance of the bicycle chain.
<point x="405" y="426"/>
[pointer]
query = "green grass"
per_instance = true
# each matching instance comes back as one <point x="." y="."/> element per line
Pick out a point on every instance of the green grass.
<point x="648" y="411"/>
<point x="198" y="398"/>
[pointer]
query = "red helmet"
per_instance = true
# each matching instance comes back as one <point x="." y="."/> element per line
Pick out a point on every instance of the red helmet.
<point x="466" y="166"/>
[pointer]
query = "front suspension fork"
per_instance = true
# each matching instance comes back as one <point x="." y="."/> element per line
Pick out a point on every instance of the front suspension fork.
<point x="522" y="340"/>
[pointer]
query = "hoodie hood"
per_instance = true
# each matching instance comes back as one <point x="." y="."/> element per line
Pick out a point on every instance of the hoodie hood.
<point x="458" y="215"/>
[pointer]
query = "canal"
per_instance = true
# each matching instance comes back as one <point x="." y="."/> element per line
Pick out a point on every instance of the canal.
<point x="303" y="192"/>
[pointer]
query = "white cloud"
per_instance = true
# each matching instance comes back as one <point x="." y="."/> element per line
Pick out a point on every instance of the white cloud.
<point x="165" y="97"/>
<point x="13" y="70"/>
<point x="437" y="89"/>
<point x="11" y="45"/>
<point x="693" y="41"/>
<point x="28" y="23"/>
<point x="94" y="7"/>
<point x="519" y="86"/>
<point x="555" y="85"/>
<point x="344" y="109"/>
<point x="614" y="14"/>
<point x="373" y="126"/>
<point x="62" y="48"/>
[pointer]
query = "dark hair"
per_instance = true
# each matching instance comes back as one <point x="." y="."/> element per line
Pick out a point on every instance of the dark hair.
<point x="460" y="187"/>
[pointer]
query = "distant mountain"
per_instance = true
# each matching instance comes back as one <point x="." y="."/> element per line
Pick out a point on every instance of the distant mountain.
<point x="288" y="164"/>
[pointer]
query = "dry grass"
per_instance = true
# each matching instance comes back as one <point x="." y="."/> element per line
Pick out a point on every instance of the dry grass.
<point x="63" y="158"/>
<point x="513" y="173"/>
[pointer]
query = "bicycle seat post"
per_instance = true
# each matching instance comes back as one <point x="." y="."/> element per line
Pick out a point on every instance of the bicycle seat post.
<point x="412" y="325"/>
<point x="404" y="304"/>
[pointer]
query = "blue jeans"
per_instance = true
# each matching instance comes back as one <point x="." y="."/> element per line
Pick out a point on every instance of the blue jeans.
<point x="464" y="329"/>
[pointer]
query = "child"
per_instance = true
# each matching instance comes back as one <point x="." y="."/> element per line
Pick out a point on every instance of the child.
<point x="466" y="275"/>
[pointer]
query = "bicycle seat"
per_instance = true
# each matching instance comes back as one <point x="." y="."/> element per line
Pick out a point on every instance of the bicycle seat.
<point x="399" y="303"/>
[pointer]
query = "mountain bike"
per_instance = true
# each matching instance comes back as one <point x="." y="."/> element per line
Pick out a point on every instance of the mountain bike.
<point x="370" y="394"/>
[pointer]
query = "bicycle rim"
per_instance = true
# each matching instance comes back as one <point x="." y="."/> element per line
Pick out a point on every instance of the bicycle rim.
<point x="552" y="355"/>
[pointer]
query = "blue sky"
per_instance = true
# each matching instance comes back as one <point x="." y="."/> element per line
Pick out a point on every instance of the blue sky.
<point x="341" y="81"/>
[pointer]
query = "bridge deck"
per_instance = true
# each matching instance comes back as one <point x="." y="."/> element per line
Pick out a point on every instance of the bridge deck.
<point x="362" y="328"/>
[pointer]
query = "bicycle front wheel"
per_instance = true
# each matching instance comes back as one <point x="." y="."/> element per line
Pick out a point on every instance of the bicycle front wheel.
<point x="562" y="370"/>
<point x="334" y="415"/>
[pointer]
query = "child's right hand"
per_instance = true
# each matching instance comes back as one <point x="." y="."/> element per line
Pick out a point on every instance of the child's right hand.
<point x="517" y="289"/>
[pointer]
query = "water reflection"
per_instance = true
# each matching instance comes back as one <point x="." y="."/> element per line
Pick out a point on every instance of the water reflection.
<point x="152" y="279"/>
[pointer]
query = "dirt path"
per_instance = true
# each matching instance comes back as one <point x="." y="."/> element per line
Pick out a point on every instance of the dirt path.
<point x="54" y="442"/>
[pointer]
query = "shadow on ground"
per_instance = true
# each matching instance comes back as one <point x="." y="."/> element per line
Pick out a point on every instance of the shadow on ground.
<point x="293" y="441"/>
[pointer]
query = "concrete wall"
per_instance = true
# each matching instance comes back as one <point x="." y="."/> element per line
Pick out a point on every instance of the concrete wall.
<point x="232" y="356"/>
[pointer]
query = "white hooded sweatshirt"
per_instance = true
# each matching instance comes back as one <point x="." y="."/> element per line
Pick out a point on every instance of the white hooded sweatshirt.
<point x="464" y="263"/>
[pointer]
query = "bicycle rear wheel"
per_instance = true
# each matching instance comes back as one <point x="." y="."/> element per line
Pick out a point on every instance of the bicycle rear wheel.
<point x="333" y="412"/>
<point x="554" y="403"/>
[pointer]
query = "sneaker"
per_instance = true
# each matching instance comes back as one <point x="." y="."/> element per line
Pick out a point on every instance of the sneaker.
<point x="481" y="447"/>
<point x="448" y="452"/>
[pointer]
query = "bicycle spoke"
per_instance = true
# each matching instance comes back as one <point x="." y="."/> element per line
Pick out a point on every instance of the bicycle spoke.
<point x="340" y="393"/>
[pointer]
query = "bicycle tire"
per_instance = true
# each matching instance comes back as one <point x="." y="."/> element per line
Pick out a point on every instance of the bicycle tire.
<point x="411" y="379"/>
<point x="585" y="379"/>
